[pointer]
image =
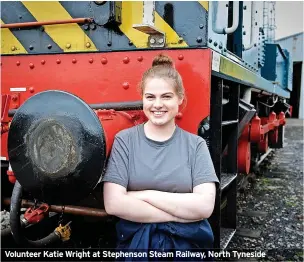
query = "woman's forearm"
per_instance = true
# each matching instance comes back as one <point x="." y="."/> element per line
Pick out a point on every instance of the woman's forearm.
<point x="136" y="210"/>
<point x="192" y="206"/>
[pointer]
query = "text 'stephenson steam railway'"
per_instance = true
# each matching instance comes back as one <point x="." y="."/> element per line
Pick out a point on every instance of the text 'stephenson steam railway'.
<point x="69" y="75"/>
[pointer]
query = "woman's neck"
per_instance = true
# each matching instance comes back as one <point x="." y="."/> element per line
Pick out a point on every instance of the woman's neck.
<point x="159" y="133"/>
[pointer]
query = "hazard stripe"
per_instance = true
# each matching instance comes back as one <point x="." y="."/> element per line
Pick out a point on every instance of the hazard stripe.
<point x="172" y="38"/>
<point x="74" y="40"/>
<point x="132" y="13"/>
<point x="204" y="4"/>
<point x="9" y="43"/>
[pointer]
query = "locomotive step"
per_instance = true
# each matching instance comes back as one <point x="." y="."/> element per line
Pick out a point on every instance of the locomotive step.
<point x="226" y="180"/>
<point x="226" y="235"/>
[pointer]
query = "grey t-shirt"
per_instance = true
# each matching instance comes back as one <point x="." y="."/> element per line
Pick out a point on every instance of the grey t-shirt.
<point x="176" y="165"/>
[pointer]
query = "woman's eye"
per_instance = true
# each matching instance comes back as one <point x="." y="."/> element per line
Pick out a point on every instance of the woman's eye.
<point x="167" y="97"/>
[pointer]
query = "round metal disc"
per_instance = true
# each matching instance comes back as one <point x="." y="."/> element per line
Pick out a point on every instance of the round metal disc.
<point x="56" y="147"/>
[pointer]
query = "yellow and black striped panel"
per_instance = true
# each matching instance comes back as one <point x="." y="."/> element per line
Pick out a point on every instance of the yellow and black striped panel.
<point x="184" y="24"/>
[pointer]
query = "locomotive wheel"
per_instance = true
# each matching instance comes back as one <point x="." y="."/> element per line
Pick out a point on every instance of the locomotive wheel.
<point x="244" y="156"/>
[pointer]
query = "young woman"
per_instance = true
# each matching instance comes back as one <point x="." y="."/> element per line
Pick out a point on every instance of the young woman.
<point x="160" y="179"/>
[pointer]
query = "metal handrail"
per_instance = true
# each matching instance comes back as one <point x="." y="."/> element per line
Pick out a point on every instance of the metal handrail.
<point x="252" y="33"/>
<point x="235" y="21"/>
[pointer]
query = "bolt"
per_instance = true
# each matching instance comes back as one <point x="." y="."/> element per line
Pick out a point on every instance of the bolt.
<point x="215" y="43"/>
<point x="58" y="61"/>
<point x="86" y="27"/>
<point x="125" y="85"/>
<point x="92" y="26"/>
<point x="245" y="7"/>
<point x="14" y="97"/>
<point x="201" y="26"/>
<point x="180" y="40"/>
<point x="161" y="41"/>
<point x="220" y="46"/>
<point x="74" y="61"/>
<point x="18" y="63"/>
<point x="20" y="16"/>
<point x="13" y="48"/>
<point x="180" y="57"/>
<point x="31" y="66"/>
<point x="68" y="45"/>
<point x="152" y="41"/>
<point x="210" y="40"/>
<point x="41" y="29"/>
<point x="199" y="39"/>
<point x="104" y="60"/>
<point x="32" y="89"/>
<point x="88" y="44"/>
<point x="244" y="33"/>
<point x="140" y="58"/>
<point x="91" y="60"/>
<point x="31" y="47"/>
<point x="109" y="43"/>
<point x="49" y="46"/>
<point x="225" y="50"/>
<point x="126" y="60"/>
<point x="227" y="5"/>
<point x="130" y="43"/>
<point x="42" y="62"/>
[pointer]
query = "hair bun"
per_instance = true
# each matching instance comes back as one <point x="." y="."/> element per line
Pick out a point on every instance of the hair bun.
<point x="163" y="60"/>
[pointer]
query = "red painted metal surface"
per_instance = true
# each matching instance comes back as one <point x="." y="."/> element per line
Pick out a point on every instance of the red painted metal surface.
<point x="103" y="77"/>
<point x="35" y="214"/>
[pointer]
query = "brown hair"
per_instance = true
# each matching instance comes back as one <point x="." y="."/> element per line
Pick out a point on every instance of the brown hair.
<point x="163" y="67"/>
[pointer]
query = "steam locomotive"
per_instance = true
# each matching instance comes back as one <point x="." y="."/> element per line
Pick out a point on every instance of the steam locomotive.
<point x="69" y="74"/>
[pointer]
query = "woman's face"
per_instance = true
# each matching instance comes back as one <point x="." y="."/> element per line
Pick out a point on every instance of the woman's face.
<point x="160" y="101"/>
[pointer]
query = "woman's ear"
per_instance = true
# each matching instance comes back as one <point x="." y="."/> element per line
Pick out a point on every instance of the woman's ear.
<point x="180" y="100"/>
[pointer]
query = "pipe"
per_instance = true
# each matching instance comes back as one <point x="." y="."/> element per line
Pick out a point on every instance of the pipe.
<point x="117" y="106"/>
<point x="73" y="210"/>
<point x="51" y="22"/>
<point x="16" y="227"/>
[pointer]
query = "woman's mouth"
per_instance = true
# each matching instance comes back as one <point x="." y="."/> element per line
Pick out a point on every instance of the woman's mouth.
<point x="158" y="113"/>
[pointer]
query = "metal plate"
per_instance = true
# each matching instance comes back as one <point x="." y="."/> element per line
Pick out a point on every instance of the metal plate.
<point x="56" y="147"/>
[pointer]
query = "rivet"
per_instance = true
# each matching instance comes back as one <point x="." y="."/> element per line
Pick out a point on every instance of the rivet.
<point x="14" y="97"/>
<point x="244" y="33"/>
<point x="74" y="61"/>
<point x="180" y="40"/>
<point x="32" y="89"/>
<point x="92" y="26"/>
<point x="180" y="57"/>
<point x="58" y="61"/>
<point x="68" y="46"/>
<point x="20" y="16"/>
<point x="201" y="26"/>
<point x="225" y="50"/>
<point x="13" y="48"/>
<point x="104" y="60"/>
<point x="215" y="43"/>
<point x="130" y="43"/>
<point x="18" y="63"/>
<point x="49" y="46"/>
<point x="31" y="47"/>
<point x="88" y="44"/>
<point x="210" y="40"/>
<point x="179" y="115"/>
<point x="126" y="60"/>
<point x="42" y="62"/>
<point x="86" y="27"/>
<point x="245" y="7"/>
<point x="15" y="106"/>
<point x="199" y="39"/>
<point x="220" y="46"/>
<point x="160" y="41"/>
<point x="140" y="58"/>
<point x="41" y="29"/>
<point x="91" y="60"/>
<point x="109" y="43"/>
<point x="31" y="65"/>
<point x="125" y="85"/>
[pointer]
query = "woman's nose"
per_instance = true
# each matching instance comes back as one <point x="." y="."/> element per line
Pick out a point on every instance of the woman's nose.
<point x="158" y="103"/>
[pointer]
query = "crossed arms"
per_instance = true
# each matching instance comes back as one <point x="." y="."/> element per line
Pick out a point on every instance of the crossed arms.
<point x="151" y="206"/>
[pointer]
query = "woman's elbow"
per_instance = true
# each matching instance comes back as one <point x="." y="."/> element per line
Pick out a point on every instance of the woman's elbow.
<point x="110" y="208"/>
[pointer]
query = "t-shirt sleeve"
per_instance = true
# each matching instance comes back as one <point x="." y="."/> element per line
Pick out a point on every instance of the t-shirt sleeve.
<point x="203" y="166"/>
<point x="117" y="167"/>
